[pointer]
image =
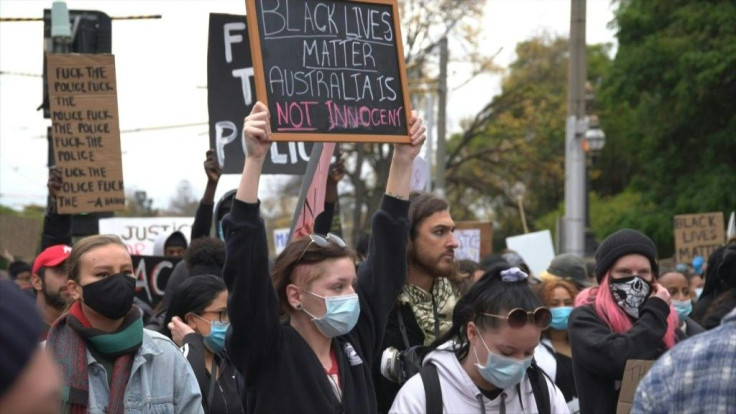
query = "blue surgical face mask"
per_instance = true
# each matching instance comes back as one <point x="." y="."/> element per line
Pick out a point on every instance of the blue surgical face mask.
<point x="215" y="341"/>
<point x="560" y="315"/>
<point x="341" y="316"/>
<point x="698" y="292"/>
<point x="683" y="308"/>
<point x="502" y="371"/>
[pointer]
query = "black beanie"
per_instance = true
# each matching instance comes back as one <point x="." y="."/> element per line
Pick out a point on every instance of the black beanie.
<point x="176" y="239"/>
<point x="621" y="243"/>
<point x="20" y="329"/>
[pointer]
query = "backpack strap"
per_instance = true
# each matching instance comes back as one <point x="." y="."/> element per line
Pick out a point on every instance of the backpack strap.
<point x="432" y="388"/>
<point x="539" y="388"/>
<point x="402" y="327"/>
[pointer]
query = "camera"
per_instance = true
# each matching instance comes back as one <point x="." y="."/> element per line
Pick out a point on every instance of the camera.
<point x="398" y="366"/>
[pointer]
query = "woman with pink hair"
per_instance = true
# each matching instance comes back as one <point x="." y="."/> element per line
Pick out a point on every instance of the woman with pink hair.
<point x="628" y="316"/>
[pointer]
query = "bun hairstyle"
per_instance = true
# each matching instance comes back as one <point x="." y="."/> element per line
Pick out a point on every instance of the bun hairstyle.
<point x="501" y="289"/>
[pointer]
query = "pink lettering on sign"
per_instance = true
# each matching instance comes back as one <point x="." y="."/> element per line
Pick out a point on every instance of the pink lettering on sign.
<point x="348" y="116"/>
<point x="294" y="116"/>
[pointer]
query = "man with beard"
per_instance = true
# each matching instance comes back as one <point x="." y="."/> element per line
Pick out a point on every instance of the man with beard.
<point x="49" y="279"/>
<point x="423" y="311"/>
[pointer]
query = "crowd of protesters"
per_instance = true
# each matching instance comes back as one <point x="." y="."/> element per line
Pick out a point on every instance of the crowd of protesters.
<point x="397" y="325"/>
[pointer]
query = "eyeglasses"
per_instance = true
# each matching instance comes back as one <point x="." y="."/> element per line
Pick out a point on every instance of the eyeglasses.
<point x="517" y="317"/>
<point x="322" y="241"/>
<point x="222" y="315"/>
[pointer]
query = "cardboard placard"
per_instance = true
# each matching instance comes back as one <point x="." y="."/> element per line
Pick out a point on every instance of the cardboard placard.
<point x="140" y="233"/>
<point x="152" y="274"/>
<point x="86" y="132"/>
<point x="698" y="235"/>
<point x="474" y="238"/>
<point x="20" y="236"/>
<point x="633" y="373"/>
<point x="230" y="98"/>
<point x="330" y="70"/>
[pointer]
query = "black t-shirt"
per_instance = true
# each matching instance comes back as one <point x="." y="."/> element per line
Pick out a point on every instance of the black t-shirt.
<point x="564" y="378"/>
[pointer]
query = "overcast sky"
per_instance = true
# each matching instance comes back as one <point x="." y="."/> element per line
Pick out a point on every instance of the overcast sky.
<point x="162" y="74"/>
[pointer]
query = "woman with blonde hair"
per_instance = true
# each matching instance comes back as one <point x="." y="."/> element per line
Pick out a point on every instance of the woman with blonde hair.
<point x="109" y="362"/>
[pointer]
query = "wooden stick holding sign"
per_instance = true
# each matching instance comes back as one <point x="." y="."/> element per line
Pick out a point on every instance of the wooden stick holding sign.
<point x="330" y="70"/>
<point x="86" y="132"/>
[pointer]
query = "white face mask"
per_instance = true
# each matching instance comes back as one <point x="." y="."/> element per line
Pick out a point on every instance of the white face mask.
<point x="341" y="316"/>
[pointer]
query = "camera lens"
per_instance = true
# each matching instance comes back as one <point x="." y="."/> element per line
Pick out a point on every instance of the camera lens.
<point x="390" y="364"/>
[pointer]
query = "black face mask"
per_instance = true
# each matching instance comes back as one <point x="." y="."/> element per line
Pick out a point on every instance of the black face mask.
<point x="111" y="297"/>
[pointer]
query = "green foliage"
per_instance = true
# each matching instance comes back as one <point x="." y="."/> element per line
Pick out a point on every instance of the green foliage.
<point x="670" y="112"/>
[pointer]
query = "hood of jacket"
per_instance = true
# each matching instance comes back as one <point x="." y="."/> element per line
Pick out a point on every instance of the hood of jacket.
<point x="160" y="242"/>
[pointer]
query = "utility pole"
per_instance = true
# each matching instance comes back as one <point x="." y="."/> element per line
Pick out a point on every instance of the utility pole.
<point x="574" y="222"/>
<point x="441" y="120"/>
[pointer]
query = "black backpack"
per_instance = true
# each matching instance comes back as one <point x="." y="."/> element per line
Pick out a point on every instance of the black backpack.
<point x="433" y="390"/>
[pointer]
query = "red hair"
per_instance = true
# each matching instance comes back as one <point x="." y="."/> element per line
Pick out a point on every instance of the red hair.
<point x="612" y="314"/>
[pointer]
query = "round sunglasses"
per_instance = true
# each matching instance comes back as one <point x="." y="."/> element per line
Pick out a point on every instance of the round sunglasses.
<point x="518" y="317"/>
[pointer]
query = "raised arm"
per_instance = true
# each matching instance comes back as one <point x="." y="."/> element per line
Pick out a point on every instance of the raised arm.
<point x="203" y="219"/>
<point x="252" y="303"/>
<point x="383" y="274"/>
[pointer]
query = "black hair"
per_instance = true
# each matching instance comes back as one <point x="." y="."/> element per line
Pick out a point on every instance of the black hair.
<point x="713" y="283"/>
<point x="489" y="295"/>
<point x="206" y="253"/>
<point x="193" y="295"/>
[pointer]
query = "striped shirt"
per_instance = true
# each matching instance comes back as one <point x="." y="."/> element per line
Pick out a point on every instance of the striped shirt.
<point x="696" y="376"/>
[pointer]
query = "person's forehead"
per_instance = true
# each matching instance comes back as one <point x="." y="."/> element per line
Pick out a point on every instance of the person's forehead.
<point x="560" y="292"/>
<point x="520" y="338"/>
<point x="673" y="279"/>
<point x="439" y="218"/>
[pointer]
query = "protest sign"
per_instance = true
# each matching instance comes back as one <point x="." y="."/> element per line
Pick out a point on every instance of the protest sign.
<point x="280" y="239"/>
<point x="140" y="233"/>
<point x="330" y="70"/>
<point x="474" y="238"/>
<point x="85" y="132"/>
<point x="535" y="248"/>
<point x="633" y="373"/>
<point x="231" y="96"/>
<point x="698" y="235"/>
<point x="20" y="236"/>
<point x="151" y="274"/>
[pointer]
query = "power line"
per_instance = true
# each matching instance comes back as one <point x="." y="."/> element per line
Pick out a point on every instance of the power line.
<point x="40" y="19"/>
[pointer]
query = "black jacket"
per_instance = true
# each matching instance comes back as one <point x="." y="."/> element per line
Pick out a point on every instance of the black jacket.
<point x="282" y="373"/>
<point x="599" y="355"/>
<point x="386" y="390"/>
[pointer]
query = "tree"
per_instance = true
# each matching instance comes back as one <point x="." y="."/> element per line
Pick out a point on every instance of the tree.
<point x="184" y="203"/>
<point x="518" y="137"/>
<point x="669" y="110"/>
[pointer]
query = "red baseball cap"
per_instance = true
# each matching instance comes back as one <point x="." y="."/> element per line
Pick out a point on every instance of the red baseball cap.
<point x="51" y="257"/>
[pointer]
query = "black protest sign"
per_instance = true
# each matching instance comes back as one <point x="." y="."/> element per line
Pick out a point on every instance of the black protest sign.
<point x="152" y="273"/>
<point x="231" y="97"/>
<point x="330" y="70"/>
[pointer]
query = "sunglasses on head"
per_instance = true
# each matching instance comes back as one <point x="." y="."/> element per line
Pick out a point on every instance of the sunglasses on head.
<point x="322" y="241"/>
<point x="518" y="317"/>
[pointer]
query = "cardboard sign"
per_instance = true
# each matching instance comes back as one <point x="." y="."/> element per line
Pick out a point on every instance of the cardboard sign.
<point x="535" y="248"/>
<point x="85" y="132"/>
<point x="231" y="96"/>
<point x="698" y="235"/>
<point x="140" y="233"/>
<point x="152" y="273"/>
<point x="474" y="238"/>
<point x="280" y="239"/>
<point x="20" y="236"/>
<point x="633" y="373"/>
<point x="330" y="70"/>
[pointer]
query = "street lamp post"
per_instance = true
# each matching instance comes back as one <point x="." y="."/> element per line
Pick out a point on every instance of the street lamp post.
<point x="595" y="140"/>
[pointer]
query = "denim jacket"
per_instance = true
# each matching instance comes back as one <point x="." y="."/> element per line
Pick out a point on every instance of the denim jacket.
<point x="161" y="380"/>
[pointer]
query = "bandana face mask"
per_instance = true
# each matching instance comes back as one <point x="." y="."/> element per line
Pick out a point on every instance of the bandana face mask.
<point x="630" y="293"/>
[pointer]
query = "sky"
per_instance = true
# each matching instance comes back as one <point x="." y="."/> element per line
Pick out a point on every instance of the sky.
<point x="161" y="68"/>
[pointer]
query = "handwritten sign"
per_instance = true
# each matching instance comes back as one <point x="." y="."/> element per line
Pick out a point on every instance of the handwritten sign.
<point x="536" y="248"/>
<point x="20" y="236"/>
<point x="474" y="238"/>
<point x="330" y="70"/>
<point x="633" y="373"/>
<point x="152" y="273"/>
<point x="140" y="233"/>
<point x="698" y="235"/>
<point x="280" y="239"/>
<point x="230" y="98"/>
<point x="85" y="132"/>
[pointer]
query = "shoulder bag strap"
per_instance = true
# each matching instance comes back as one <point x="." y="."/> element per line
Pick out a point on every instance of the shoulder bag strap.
<point x="432" y="388"/>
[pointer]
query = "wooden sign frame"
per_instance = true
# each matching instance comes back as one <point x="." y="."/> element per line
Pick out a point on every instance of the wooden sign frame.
<point x="262" y="95"/>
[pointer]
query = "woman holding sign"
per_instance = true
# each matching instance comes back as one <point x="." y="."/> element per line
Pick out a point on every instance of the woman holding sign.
<point x="304" y="337"/>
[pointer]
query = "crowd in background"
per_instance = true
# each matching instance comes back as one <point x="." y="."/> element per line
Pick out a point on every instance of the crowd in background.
<point x="396" y="325"/>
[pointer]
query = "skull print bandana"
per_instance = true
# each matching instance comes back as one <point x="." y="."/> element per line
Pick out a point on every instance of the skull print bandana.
<point x="630" y="294"/>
